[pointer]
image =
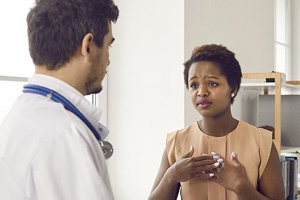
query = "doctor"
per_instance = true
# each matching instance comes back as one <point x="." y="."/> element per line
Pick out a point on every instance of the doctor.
<point x="47" y="151"/>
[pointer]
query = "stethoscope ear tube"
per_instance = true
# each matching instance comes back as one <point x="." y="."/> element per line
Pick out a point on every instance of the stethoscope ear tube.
<point x="37" y="89"/>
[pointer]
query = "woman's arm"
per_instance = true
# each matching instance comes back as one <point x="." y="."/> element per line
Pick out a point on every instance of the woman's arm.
<point x="270" y="186"/>
<point x="164" y="187"/>
<point x="271" y="182"/>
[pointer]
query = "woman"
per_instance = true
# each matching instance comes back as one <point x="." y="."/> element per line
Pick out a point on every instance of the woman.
<point x="217" y="157"/>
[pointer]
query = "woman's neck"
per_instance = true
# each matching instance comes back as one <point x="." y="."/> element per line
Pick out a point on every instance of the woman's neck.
<point x="217" y="127"/>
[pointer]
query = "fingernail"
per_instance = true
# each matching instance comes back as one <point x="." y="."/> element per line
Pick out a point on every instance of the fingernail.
<point x="204" y="154"/>
<point x="213" y="153"/>
<point x="216" y="164"/>
<point x="191" y="147"/>
<point x="233" y="154"/>
<point x="216" y="157"/>
<point x="220" y="160"/>
<point x="211" y="175"/>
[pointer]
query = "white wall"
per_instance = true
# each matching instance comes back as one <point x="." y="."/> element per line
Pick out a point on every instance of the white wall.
<point x="145" y="91"/>
<point x="245" y="27"/>
<point x="295" y="40"/>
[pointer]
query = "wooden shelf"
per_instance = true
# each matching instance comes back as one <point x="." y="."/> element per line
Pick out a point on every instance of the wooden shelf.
<point x="266" y="87"/>
<point x="259" y="86"/>
<point x="269" y="88"/>
<point x="277" y="88"/>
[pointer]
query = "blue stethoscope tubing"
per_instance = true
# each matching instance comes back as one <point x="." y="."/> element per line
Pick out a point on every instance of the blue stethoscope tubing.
<point x="37" y="89"/>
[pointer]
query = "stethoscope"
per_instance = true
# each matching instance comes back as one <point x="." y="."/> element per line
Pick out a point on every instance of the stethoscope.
<point x="36" y="89"/>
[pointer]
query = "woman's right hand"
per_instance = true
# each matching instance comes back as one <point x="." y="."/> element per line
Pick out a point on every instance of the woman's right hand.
<point x="186" y="168"/>
<point x="189" y="167"/>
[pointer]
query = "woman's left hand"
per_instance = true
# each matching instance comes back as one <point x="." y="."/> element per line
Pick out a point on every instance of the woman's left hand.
<point x="231" y="175"/>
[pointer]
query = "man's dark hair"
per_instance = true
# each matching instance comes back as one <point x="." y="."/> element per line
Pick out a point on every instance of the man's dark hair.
<point x="56" y="28"/>
<point x="225" y="59"/>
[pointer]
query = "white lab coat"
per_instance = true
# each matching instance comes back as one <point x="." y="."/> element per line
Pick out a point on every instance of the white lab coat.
<point x="48" y="153"/>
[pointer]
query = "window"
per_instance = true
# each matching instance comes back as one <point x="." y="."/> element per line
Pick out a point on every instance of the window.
<point x="11" y="88"/>
<point x="283" y="37"/>
<point x="15" y="59"/>
<point x="16" y="63"/>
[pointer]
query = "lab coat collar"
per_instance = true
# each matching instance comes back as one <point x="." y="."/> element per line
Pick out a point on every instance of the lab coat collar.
<point x="91" y="112"/>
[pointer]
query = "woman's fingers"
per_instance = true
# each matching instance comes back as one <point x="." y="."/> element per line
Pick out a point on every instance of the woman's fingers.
<point x="196" y="167"/>
<point x="234" y="159"/>
<point x="189" y="153"/>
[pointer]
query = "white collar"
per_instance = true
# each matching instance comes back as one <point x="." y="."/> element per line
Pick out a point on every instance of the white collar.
<point x="91" y="112"/>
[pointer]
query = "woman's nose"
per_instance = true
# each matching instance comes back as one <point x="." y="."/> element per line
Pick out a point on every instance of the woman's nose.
<point x="202" y="92"/>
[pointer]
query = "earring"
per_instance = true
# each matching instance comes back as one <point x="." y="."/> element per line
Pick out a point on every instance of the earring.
<point x="232" y="95"/>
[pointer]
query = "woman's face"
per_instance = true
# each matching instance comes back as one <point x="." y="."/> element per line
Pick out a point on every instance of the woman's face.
<point x="209" y="89"/>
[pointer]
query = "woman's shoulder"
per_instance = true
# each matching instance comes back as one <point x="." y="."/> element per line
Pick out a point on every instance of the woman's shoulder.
<point x="252" y="130"/>
<point x="191" y="128"/>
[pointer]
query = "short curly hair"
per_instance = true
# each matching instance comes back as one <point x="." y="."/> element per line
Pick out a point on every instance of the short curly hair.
<point x="225" y="59"/>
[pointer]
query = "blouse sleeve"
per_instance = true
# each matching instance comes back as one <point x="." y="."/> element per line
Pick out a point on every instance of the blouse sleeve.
<point x="170" y="146"/>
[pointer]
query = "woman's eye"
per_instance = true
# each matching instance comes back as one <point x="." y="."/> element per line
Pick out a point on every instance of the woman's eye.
<point x="213" y="84"/>
<point x="193" y="85"/>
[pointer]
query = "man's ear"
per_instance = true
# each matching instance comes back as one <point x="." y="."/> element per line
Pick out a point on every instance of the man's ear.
<point x="86" y="45"/>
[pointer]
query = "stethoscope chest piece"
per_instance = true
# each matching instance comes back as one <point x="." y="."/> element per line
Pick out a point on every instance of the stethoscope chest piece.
<point x="107" y="149"/>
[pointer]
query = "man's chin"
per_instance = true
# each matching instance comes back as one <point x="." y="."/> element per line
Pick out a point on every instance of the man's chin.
<point x="95" y="91"/>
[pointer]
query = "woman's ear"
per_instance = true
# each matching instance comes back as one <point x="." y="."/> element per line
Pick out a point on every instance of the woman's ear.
<point x="233" y="92"/>
<point x="87" y="44"/>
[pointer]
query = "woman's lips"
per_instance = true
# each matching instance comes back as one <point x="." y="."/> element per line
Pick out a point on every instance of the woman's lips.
<point x="203" y="103"/>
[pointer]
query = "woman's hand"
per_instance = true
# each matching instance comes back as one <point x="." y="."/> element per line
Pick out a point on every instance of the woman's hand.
<point x="188" y="167"/>
<point x="231" y="175"/>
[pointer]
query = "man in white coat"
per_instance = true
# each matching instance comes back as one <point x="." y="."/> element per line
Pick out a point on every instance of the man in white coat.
<point x="46" y="151"/>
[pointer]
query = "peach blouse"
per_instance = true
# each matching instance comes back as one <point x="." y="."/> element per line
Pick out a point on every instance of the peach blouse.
<point x="251" y="144"/>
